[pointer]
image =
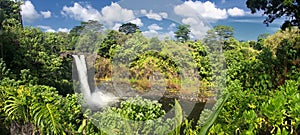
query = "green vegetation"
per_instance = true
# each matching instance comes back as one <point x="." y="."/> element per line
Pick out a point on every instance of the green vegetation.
<point x="182" y="34"/>
<point x="36" y="88"/>
<point x="275" y="9"/>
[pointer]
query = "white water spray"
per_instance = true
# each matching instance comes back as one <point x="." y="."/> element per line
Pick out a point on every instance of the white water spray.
<point x="96" y="99"/>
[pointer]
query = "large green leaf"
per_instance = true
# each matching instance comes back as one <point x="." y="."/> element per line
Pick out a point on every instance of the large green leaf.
<point x="210" y="121"/>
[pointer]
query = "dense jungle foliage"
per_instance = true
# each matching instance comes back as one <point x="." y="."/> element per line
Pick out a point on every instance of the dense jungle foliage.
<point x="36" y="87"/>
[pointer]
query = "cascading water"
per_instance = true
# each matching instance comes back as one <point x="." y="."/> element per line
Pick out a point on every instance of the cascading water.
<point x="94" y="100"/>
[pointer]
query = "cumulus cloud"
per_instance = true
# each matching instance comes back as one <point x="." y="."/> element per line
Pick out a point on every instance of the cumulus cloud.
<point x="236" y="12"/>
<point x="206" y="10"/>
<point x="198" y="27"/>
<point x="154" y="27"/>
<point x="197" y="14"/>
<point x="137" y="21"/>
<point x="171" y="26"/>
<point x="108" y="14"/>
<point x="49" y="29"/>
<point x="81" y="13"/>
<point x="155" y="16"/>
<point x="150" y="33"/>
<point x="163" y="14"/>
<point x="116" y="26"/>
<point x="115" y="13"/>
<point x="46" y="14"/>
<point x="143" y="11"/>
<point x="153" y="33"/>
<point x="63" y="30"/>
<point x="190" y="21"/>
<point x="28" y="12"/>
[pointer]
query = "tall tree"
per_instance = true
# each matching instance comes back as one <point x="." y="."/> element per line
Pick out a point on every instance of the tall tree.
<point x="219" y="36"/>
<point x="182" y="33"/>
<point x="10" y="9"/>
<point x="9" y="17"/>
<point x="128" y="28"/>
<point x="90" y="29"/>
<point x="223" y="31"/>
<point x="275" y="9"/>
<point x="111" y="40"/>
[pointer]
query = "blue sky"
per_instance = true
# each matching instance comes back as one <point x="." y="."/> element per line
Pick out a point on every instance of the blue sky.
<point x="154" y="17"/>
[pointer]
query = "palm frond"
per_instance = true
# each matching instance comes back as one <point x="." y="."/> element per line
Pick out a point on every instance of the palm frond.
<point x="46" y="116"/>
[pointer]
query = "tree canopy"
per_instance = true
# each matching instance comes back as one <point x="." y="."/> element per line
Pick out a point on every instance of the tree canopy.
<point x="275" y="9"/>
<point x="223" y="31"/>
<point x="128" y="28"/>
<point x="182" y="33"/>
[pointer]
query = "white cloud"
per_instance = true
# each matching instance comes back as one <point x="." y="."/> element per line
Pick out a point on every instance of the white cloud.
<point x="163" y="14"/>
<point x="223" y="1"/>
<point x="198" y="27"/>
<point x="154" y="27"/>
<point x="44" y="27"/>
<point x="115" y="13"/>
<point x="190" y="21"/>
<point x="236" y="12"/>
<point x="63" y="30"/>
<point x="248" y="20"/>
<point x="46" y="14"/>
<point x="81" y="13"/>
<point x="108" y="14"/>
<point x="116" y="26"/>
<point x="156" y="16"/>
<point x="143" y="11"/>
<point x="154" y="33"/>
<point x="150" y="33"/>
<point x="198" y="14"/>
<point x="137" y="21"/>
<point x="171" y="26"/>
<point x="206" y="10"/>
<point x="49" y="29"/>
<point x="28" y="12"/>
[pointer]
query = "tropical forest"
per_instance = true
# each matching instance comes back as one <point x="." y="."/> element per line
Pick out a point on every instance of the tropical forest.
<point x="97" y="81"/>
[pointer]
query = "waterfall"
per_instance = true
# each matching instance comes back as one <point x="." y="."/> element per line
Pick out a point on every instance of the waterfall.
<point x="83" y="77"/>
<point x="96" y="99"/>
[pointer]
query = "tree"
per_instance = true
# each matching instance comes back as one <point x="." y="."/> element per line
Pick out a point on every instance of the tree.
<point x="128" y="28"/>
<point x="90" y="26"/>
<point x="275" y="9"/>
<point x="9" y="9"/>
<point x="219" y="36"/>
<point x="263" y="36"/>
<point x="86" y="37"/>
<point x="223" y="31"/>
<point x="182" y="33"/>
<point x="10" y="18"/>
<point x="111" y="40"/>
